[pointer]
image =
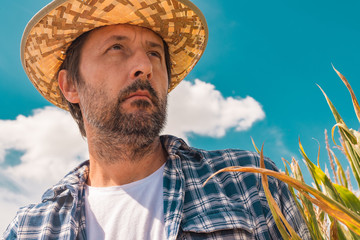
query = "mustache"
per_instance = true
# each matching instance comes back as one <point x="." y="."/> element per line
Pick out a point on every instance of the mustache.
<point x="139" y="85"/>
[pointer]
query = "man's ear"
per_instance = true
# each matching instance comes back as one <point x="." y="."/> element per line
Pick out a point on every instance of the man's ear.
<point x="68" y="87"/>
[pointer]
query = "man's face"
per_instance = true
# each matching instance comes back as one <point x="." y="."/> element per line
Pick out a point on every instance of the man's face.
<point x="123" y="82"/>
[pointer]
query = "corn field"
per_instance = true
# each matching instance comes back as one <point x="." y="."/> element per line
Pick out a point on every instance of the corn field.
<point x="330" y="207"/>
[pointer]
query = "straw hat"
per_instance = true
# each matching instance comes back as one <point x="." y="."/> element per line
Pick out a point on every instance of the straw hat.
<point x="48" y="34"/>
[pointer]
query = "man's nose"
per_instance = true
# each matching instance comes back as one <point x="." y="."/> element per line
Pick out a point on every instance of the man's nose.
<point x="142" y="67"/>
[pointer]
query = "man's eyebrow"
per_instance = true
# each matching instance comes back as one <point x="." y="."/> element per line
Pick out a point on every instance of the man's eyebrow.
<point x="116" y="38"/>
<point x="155" y="45"/>
<point x="122" y="38"/>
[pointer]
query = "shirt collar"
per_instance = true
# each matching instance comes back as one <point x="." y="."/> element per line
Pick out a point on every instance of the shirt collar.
<point x="72" y="181"/>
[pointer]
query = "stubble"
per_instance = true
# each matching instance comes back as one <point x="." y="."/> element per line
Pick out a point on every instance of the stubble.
<point x="116" y="129"/>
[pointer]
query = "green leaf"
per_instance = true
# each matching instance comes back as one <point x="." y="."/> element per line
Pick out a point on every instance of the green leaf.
<point x="280" y="221"/>
<point x="347" y="133"/>
<point x="345" y="234"/>
<point x="332" y="108"/>
<point x="353" y="97"/>
<point x="340" y="170"/>
<point x="354" y="160"/>
<point x="349" y="198"/>
<point x="312" y="172"/>
<point x="320" y="177"/>
<point x="352" y="151"/>
<point x="257" y="150"/>
<point x="310" y="215"/>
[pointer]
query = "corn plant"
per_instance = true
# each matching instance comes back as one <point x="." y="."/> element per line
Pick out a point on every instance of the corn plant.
<point x="330" y="208"/>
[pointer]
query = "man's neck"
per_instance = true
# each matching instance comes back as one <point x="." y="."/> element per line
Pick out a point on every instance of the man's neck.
<point x="119" y="164"/>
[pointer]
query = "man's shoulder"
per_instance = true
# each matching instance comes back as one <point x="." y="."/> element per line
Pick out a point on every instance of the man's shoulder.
<point x="38" y="209"/>
<point x="222" y="158"/>
<point x="236" y="157"/>
<point x="29" y="220"/>
<point x="216" y="158"/>
<point x="53" y="211"/>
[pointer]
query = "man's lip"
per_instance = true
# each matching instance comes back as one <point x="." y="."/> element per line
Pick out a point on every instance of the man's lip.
<point x="139" y="93"/>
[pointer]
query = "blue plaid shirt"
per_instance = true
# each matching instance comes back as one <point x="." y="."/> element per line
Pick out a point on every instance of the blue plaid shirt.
<point x="230" y="206"/>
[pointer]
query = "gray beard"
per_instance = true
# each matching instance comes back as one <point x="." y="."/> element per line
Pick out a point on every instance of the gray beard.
<point x="115" y="129"/>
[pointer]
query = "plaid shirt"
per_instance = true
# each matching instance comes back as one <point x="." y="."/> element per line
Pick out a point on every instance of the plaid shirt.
<point x="230" y="206"/>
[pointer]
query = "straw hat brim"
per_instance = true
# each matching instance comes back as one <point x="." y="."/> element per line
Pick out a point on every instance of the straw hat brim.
<point x="48" y="34"/>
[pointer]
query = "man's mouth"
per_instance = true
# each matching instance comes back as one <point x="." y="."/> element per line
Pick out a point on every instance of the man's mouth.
<point x="139" y="90"/>
<point x="139" y="94"/>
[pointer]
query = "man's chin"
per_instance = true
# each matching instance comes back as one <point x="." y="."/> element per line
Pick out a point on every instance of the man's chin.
<point x="142" y="103"/>
<point x="139" y="107"/>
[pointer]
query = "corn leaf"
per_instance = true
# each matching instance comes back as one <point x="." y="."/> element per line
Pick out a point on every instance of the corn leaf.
<point x="302" y="211"/>
<point x="349" y="157"/>
<point x="279" y="218"/>
<point x="302" y="151"/>
<point x="349" y="198"/>
<point x="337" y="231"/>
<point x="352" y="150"/>
<point x="347" y="133"/>
<point x="337" y="116"/>
<point x="354" y="160"/>
<point x="334" y="231"/>
<point x="345" y="234"/>
<point x="307" y="211"/>
<point x="318" y="157"/>
<point x="332" y="135"/>
<point x="340" y="170"/>
<point x="320" y="177"/>
<point x="257" y="150"/>
<point x="355" y="157"/>
<point x="353" y="97"/>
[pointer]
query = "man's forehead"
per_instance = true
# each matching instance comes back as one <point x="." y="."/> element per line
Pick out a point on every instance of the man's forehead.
<point x="126" y="32"/>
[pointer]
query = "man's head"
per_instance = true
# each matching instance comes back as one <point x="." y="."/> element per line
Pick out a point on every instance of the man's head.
<point x="56" y="37"/>
<point x="133" y="64"/>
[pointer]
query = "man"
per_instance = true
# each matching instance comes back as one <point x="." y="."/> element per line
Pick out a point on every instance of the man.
<point x="111" y="64"/>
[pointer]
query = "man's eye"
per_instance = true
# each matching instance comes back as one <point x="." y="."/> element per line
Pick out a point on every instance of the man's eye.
<point x="155" y="54"/>
<point x="116" y="47"/>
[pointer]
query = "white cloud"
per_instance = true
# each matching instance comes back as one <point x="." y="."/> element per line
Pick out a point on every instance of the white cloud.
<point x="201" y="109"/>
<point x="51" y="143"/>
<point x="49" y="139"/>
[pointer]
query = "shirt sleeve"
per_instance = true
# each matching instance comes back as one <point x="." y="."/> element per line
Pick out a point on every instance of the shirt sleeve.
<point x="11" y="231"/>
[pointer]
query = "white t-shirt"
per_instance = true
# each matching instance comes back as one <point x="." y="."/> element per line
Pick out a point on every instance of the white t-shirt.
<point x="130" y="211"/>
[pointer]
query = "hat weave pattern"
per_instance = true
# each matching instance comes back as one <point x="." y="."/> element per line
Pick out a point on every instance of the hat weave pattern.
<point x="52" y="30"/>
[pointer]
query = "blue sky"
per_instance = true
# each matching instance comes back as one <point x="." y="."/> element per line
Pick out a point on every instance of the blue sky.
<point x="274" y="52"/>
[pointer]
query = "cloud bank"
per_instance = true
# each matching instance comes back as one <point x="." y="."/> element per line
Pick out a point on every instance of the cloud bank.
<point x="36" y="151"/>
<point x="201" y="109"/>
